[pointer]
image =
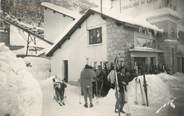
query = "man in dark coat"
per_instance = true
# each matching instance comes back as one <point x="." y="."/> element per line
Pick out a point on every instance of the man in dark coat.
<point x="86" y="79"/>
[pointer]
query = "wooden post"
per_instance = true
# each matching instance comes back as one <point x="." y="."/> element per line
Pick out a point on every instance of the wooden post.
<point x="101" y="9"/>
<point x="145" y="90"/>
<point x="35" y="44"/>
<point x="120" y="6"/>
<point x="27" y="44"/>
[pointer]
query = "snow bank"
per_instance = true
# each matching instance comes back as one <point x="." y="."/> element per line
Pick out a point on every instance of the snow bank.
<point x="39" y="67"/>
<point x="20" y="92"/>
<point x="158" y="90"/>
<point x="180" y="75"/>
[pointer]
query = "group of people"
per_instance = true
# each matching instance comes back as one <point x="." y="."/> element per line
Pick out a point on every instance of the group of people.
<point x="99" y="81"/>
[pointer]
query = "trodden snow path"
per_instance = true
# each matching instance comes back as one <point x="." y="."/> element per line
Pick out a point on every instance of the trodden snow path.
<point x="102" y="106"/>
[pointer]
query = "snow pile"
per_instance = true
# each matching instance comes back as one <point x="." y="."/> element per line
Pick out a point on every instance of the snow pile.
<point x="128" y="19"/>
<point x="180" y="75"/>
<point x="39" y="67"/>
<point x="20" y="92"/>
<point x="166" y="77"/>
<point x="158" y="90"/>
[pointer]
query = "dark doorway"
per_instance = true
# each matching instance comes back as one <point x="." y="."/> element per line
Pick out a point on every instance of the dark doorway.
<point x="65" y="70"/>
<point x="140" y="63"/>
<point x="152" y="66"/>
<point x="179" y="64"/>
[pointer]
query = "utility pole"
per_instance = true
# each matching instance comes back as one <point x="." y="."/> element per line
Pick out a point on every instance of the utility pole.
<point x="101" y="9"/>
<point x="120" y="6"/>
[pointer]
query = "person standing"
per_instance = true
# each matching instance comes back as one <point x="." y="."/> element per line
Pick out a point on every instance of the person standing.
<point x="86" y="78"/>
<point x="136" y="69"/>
<point x="120" y="100"/>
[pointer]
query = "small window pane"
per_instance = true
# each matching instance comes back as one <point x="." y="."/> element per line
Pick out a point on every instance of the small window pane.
<point x="95" y="36"/>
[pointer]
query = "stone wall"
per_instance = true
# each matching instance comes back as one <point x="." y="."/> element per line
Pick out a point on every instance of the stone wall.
<point x="170" y="55"/>
<point x="119" y="39"/>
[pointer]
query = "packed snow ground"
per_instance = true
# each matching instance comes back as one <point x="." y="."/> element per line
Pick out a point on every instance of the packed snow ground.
<point x="21" y="94"/>
<point x="103" y="106"/>
<point x="158" y="92"/>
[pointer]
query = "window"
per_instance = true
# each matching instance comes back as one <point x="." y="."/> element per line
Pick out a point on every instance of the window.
<point x="95" y="36"/>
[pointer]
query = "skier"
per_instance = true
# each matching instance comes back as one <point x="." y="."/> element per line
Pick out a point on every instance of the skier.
<point x="59" y="88"/>
<point x="120" y="100"/>
<point x="86" y="79"/>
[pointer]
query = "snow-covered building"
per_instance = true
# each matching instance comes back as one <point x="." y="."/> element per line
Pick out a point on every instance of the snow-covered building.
<point x="56" y="17"/>
<point x="97" y="37"/>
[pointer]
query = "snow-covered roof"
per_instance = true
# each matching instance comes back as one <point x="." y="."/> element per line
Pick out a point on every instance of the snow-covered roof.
<point x="161" y="12"/>
<point x="75" y="24"/>
<point x="125" y="18"/>
<point x="61" y="10"/>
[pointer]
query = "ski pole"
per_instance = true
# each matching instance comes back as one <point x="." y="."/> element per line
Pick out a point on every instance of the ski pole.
<point x="80" y="95"/>
<point x="142" y="94"/>
<point x="101" y="88"/>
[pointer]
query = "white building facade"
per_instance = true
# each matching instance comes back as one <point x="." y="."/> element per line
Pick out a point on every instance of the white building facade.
<point x="140" y="42"/>
<point x="70" y="59"/>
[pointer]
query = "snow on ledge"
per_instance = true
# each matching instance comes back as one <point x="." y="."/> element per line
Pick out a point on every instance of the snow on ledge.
<point x="145" y="49"/>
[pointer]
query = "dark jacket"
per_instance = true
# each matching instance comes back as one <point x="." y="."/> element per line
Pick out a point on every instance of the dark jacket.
<point x="122" y="82"/>
<point x="87" y="77"/>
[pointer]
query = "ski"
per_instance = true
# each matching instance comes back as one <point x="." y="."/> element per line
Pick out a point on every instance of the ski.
<point x="142" y="94"/>
<point x="57" y="101"/>
<point x="116" y="81"/>
<point x="136" y="101"/>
